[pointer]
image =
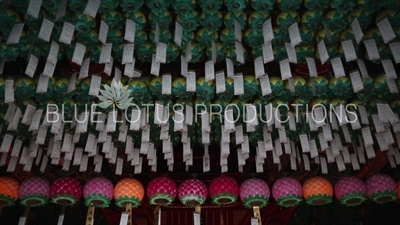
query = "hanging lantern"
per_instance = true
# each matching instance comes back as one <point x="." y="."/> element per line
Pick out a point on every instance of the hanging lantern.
<point x="130" y="6"/>
<point x="164" y="36"/>
<point x="211" y="21"/>
<point x="224" y="190"/>
<point x="113" y="19"/>
<point x="206" y="37"/>
<point x="363" y="17"/>
<point x="192" y="192"/>
<point x="145" y="52"/>
<point x="285" y="19"/>
<point x="210" y="5"/>
<point x="197" y="52"/>
<point x="228" y="38"/>
<point x="229" y="90"/>
<point x="25" y="88"/>
<point x="158" y="5"/>
<point x="253" y="37"/>
<point x="381" y="188"/>
<point x="235" y="5"/>
<point x="179" y="89"/>
<point x="161" y="191"/>
<point x="231" y="54"/>
<point x="183" y="6"/>
<point x="84" y="23"/>
<point x="315" y="5"/>
<point x="341" y="87"/>
<point x="98" y="191"/>
<point x="289" y="5"/>
<point x="343" y="6"/>
<point x="219" y="51"/>
<point x="370" y="6"/>
<point x="163" y="19"/>
<point x="128" y="191"/>
<point x="287" y="192"/>
<point x="317" y="191"/>
<point x="375" y="34"/>
<point x="350" y="191"/>
<point x="230" y="17"/>
<point x="392" y="15"/>
<point x="189" y="21"/>
<point x="312" y="20"/>
<point x="257" y="19"/>
<point x="304" y="51"/>
<point x="336" y="21"/>
<point x="65" y="191"/>
<point x="34" y="192"/>
<point x="205" y="90"/>
<point x="8" y="192"/>
<point x="255" y="193"/>
<point x="263" y="5"/>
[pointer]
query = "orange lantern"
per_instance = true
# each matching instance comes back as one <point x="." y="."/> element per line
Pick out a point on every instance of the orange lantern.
<point x="128" y="193"/>
<point x="317" y="191"/>
<point x="8" y="192"/>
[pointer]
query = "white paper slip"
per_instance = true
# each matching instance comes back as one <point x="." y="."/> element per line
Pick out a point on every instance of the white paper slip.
<point x="60" y="219"/>
<point x="130" y="31"/>
<point x="62" y="7"/>
<point x="67" y="33"/>
<point x="49" y="69"/>
<point x="79" y="54"/>
<point x="238" y="84"/>
<point x="161" y="52"/>
<point x="15" y="33"/>
<point x="178" y="34"/>
<point x="220" y="82"/>
<point x="229" y="68"/>
<point x="92" y="7"/>
<point x="155" y="66"/>
<point x="42" y="84"/>
<point x="268" y="33"/>
<point x="128" y="69"/>
<point x="349" y="50"/>
<point x="265" y="85"/>
<point x="53" y="53"/>
<point x="388" y="67"/>
<point x="366" y="134"/>
<point x="124" y="218"/>
<point x="357" y="31"/>
<point x="239" y="52"/>
<point x="127" y="56"/>
<point x="312" y="68"/>
<point x="209" y="70"/>
<point x="166" y="84"/>
<point x="323" y="53"/>
<point x="291" y="53"/>
<point x="95" y="84"/>
<point x="268" y="52"/>
<point x="9" y="91"/>
<point x="105" y="55"/>
<point x="356" y="81"/>
<point x="294" y="35"/>
<point x="395" y="49"/>
<point x="372" y="49"/>
<point x="45" y="30"/>
<point x="213" y="52"/>
<point x="32" y="65"/>
<point x="34" y="8"/>
<point x="386" y="30"/>
<point x="337" y="66"/>
<point x="191" y="81"/>
<point x="188" y="51"/>
<point x="109" y="66"/>
<point x="259" y="67"/>
<point x="363" y="68"/>
<point x="391" y="83"/>
<point x="84" y="70"/>
<point x="184" y="66"/>
<point x="238" y="30"/>
<point x="286" y="72"/>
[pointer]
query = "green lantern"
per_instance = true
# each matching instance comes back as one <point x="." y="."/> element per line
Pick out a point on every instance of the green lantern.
<point x="44" y="97"/>
<point x="211" y="21"/>
<point x="231" y="54"/>
<point x="94" y="52"/>
<point x="205" y="90"/>
<point x="343" y="6"/>
<point x="20" y="5"/>
<point x="285" y="19"/>
<point x="230" y="17"/>
<point x="280" y="53"/>
<point x="187" y="36"/>
<point x="263" y="5"/>
<point x="158" y="5"/>
<point x="251" y="87"/>
<point x="312" y="20"/>
<point x="139" y="18"/>
<point x="145" y="52"/>
<point x="88" y="38"/>
<point x="335" y="102"/>
<point x="34" y="23"/>
<point x="336" y="21"/>
<point x="395" y="105"/>
<point x="189" y="21"/>
<point x="347" y="34"/>
<point x="257" y="19"/>
<point x="155" y="87"/>
<point x="107" y="6"/>
<point x="392" y="15"/>
<point x="24" y="88"/>
<point x="381" y="88"/>
<point x="113" y="19"/>
<point x="304" y="51"/>
<point x="315" y="5"/>
<point x="9" y="52"/>
<point x="281" y="36"/>
<point x="183" y="6"/>
<point x="235" y="5"/>
<point x="368" y="93"/>
<point x="374" y="33"/>
<point x="277" y="86"/>
<point x="179" y="89"/>
<point x="130" y="6"/>
<point x="391" y="4"/>
<point x="210" y="5"/>
<point x="219" y="51"/>
<point x="77" y="6"/>
<point x="162" y="18"/>
<point x="68" y="108"/>
<point x="118" y="50"/>
<point x="307" y="36"/>
<point x="320" y="87"/>
<point x="140" y="37"/>
<point x="256" y="51"/>
<point x="228" y="38"/>
<point x="363" y="17"/>
<point x="229" y="91"/>
<point x="164" y="36"/>
<point x="197" y="52"/>
<point x="138" y="88"/>
<point x="321" y="35"/>
<point x="172" y="52"/>
<point x="60" y="88"/>
<point x="82" y="90"/>
<point x="370" y="5"/>
<point x="115" y="36"/>
<point x="341" y="87"/>
<point x="289" y="5"/>
<point x="320" y="101"/>
<point x="253" y="37"/>
<point x="84" y="23"/>
<point x="206" y="37"/>
<point x="8" y="18"/>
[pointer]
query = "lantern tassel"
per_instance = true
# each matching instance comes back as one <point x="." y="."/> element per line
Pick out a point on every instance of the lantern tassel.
<point x="90" y="215"/>
<point x="256" y="212"/>
<point x="157" y="215"/>
<point x="128" y="209"/>
<point x="221" y="217"/>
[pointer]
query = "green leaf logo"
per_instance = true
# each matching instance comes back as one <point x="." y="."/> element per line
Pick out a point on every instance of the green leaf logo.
<point x="115" y="95"/>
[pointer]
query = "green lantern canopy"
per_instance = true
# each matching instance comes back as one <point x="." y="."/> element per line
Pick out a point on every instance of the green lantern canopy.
<point x="158" y="5"/>
<point x="115" y="36"/>
<point x="231" y="54"/>
<point x="206" y="37"/>
<point x="87" y="39"/>
<point x="210" y="5"/>
<point x="118" y="50"/>
<point x="315" y="5"/>
<point x="179" y="89"/>
<point x="263" y="5"/>
<point x="307" y="36"/>
<point x="257" y="19"/>
<point x="229" y="90"/>
<point x="256" y="51"/>
<point x="94" y="52"/>
<point x="189" y="21"/>
<point x="82" y="90"/>
<point x="219" y="50"/>
<point x="165" y="36"/>
<point x="228" y="38"/>
<point x="347" y="34"/>
<point x="145" y="52"/>
<point x="183" y="6"/>
<point x="392" y="15"/>
<point x="341" y="87"/>
<point x="211" y="20"/>
<point x="8" y="18"/>
<point x="163" y="19"/>
<point x="235" y="5"/>
<point x="24" y="88"/>
<point x="312" y="20"/>
<point x="381" y="88"/>
<point x="280" y="53"/>
<point x="370" y="5"/>
<point x="84" y="23"/>
<point x="301" y="87"/>
<point x="320" y="101"/>
<point x="172" y="52"/>
<point x="337" y="102"/>
<point x="205" y="90"/>
<point x="343" y="6"/>
<point x="187" y="36"/>
<point x="230" y="17"/>
<point x="107" y="6"/>
<point x="253" y="37"/>
<point x="336" y="21"/>
<point x="77" y="6"/>
<point x="277" y="86"/>
<point x="130" y="6"/>
<point x="285" y="19"/>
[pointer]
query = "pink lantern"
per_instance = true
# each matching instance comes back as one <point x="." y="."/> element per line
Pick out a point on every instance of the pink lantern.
<point x="224" y="190"/>
<point x="161" y="191"/>
<point x="287" y="191"/>
<point x="381" y="188"/>
<point x="350" y="191"/>
<point x="34" y="192"/>
<point x="98" y="191"/>
<point x="254" y="192"/>
<point x="192" y="192"/>
<point x="66" y="191"/>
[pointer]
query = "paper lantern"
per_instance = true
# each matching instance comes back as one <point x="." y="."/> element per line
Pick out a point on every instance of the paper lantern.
<point x="289" y="5"/>
<point x="343" y="6"/>
<point x="254" y="192"/>
<point x="164" y="36"/>
<point x="224" y="190"/>
<point x="253" y="37"/>
<point x="206" y="37"/>
<point x="381" y="188"/>
<point x="172" y="52"/>
<point x="219" y="51"/>
<point x="138" y="89"/>
<point x="336" y="21"/>
<point x="98" y="192"/>
<point x="304" y="51"/>
<point x="163" y="19"/>
<point x="263" y="5"/>
<point x="84" y="23"/>
<point x="235" y="5"/>
<point x="34" y="192"/>
<point x="192" y="192"/>
<point x="8" y="191"/>
<point x="205" y="90"/>
<point x="189" y="21"/>
<point x="211" y="21"/>
<point x="128" y="190"/>
<point x="363" y="17"/>
<point x="139" y="18"/>
<point x="183" y="6"/>
<point x="107" y="6"/>
<point x="228" y="38"/>
<point x="145" y="52"/>
<point x="76" y="6"/>
<point x="179" y="89"/>
<point x="161" y="191"/>
<point x="158" y="5"/>
<point x="113" y="19"/>
<point x="25" y="88"/>
<point x="312" y="20"/>
<point x="257" y="19"/>
<point x="66" y="191"/>
<point x="210" y="5"/>
<point x="130" y="6"/>
<point x="317" y="191"/>
<point x="350" y="191"/>
<point x="197" y="52"/>
<point x="230" y="17"/>
<point x="287" y="192"/>
<point x="341" y="87"/>
<point x="281" y="36"/>
<point x="285" y="19"/>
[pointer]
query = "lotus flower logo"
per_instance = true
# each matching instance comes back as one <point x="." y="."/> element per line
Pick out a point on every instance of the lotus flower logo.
<point x="116" y="95"/>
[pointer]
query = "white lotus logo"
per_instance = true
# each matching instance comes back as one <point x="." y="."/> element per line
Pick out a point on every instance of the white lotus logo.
<point x="116" y="95"/>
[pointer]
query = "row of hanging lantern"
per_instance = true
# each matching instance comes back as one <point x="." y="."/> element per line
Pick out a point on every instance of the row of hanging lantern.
<point x="223" y="190"/>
